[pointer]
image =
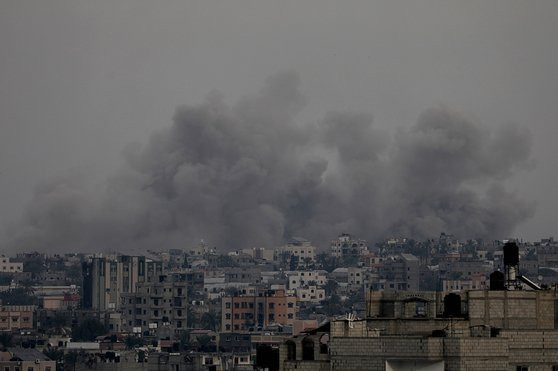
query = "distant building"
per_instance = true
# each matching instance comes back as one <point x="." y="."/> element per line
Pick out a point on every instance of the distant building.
<point x="156" y="305"/>
<point x="299" y="248"/>
<point x="25" y="359"/>
<point x="241" y="313"/>
<point x="400" y="272"/>
<point x="16" y="317"/>
<point x="6" y="266"/>
<point x="298" y="279"/>
<point x="346" y="246"/>
<point x="310" y="294"/>
<point x="106" y="278"/>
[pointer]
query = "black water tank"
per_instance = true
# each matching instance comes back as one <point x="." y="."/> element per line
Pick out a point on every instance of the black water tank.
<point x="452" y="305"/>
<point x="497" y="281"/>
<point x="511" y="253"/>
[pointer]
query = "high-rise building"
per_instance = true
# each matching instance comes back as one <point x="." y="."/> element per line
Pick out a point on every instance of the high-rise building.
<point x="106" y="278"/>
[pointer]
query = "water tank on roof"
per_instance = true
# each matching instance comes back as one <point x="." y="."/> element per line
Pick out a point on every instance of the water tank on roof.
<point x="511" y="253"/>
<point x="452" y="305"/>
<point x="497" y="281"/>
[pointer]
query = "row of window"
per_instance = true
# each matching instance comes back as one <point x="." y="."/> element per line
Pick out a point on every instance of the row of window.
<point x="246" y="305"/>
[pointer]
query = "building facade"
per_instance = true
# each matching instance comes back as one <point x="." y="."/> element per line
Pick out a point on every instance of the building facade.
<point x="156" y="307"/>
<point x="481" y="330"/>
<point x="242" y="313"/>
<point x="106" y="278"/>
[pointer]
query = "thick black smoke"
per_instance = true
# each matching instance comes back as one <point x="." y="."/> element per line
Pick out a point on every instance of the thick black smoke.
<point x="250" y="175"/>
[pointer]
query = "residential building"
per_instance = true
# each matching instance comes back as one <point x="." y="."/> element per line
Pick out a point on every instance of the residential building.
<point x="156" y="307"/>
<point x="301" y="249"/>
<point x="6" y="266"/>
<point x="106" y="278"/>
<point x="25" y="359"/>
<point x="241" y="313"/>
<point x="310" y="294"/>
<point x="346" y="246"/>
<point x="17" y="317"/>
<point x="298" y="279"/>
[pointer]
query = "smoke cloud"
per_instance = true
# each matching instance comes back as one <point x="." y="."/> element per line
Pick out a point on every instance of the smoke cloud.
<point x="251" y="175"/>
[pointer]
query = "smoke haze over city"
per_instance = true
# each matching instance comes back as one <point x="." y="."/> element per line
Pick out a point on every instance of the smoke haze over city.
<point x="299" y="118"/>
<point x="251" y="174"/>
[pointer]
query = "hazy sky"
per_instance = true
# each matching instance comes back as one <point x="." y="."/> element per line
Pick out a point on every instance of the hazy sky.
<point x="80" y="80"/>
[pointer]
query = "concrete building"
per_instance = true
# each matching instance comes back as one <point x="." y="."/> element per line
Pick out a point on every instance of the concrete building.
<point x="481" y="330"/>
<point x="6" y="266"/>
<point x="242" y="313"/>
<point x="17" y="317"/>
<point x="345" y="246"/>
<point x="310" y="294"/>
<point x="106" y="278"/>
<point x="156" y="308"/>
<point x="401" y="272"/>
<point x="298" y="279"/>
<point x="476" y="282"/>
<point x="20" y="359"/>
<point x="300" y="248"/>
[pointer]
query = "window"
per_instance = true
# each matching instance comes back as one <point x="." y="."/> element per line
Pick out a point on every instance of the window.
<point x="291" y="350"/>
<point x="6" y="368"/>
<point x="228" y="305"/>
<point x="522" y="368"/>
<point x="308" y="349"/>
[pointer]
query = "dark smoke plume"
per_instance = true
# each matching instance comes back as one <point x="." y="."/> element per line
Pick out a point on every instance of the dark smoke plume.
<point x="250" y="175"/>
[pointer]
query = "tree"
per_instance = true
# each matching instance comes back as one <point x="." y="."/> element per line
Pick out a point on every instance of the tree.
<point x="192" y="318"/>
<point x="6" y="279"/>
<point x="204" y="342"/>
<point x="70" y="360"/>
<point x="35" y="265"/>
<point x="18" y="296"/>
<point x="133" y="342"/>
<point x="330" y="287"/>
<point x="6" y="339"/>
<point x="223" y="261"/>
<point x="54" y="354"/>
<point x="74" y="274"/>
<point x="333" y="306"/>
<point x="326" y="261"/>
<point x="185" y="340"/>
<point x="88" y="330"/>
<point x="209" y="320"/>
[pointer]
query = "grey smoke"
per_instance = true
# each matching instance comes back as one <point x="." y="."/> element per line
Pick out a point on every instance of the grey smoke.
<point x="252" y="175"/>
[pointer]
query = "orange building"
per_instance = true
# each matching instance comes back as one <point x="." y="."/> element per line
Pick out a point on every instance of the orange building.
<point x="242" y="313"/>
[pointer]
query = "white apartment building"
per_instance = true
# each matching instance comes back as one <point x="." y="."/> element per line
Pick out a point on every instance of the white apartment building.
<point x="303" y="278"/>
<point x="345" y="246"/>
<point x="310" y="294"/>
<point x="301" y="248"/>
<point x="6" y="266"/>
